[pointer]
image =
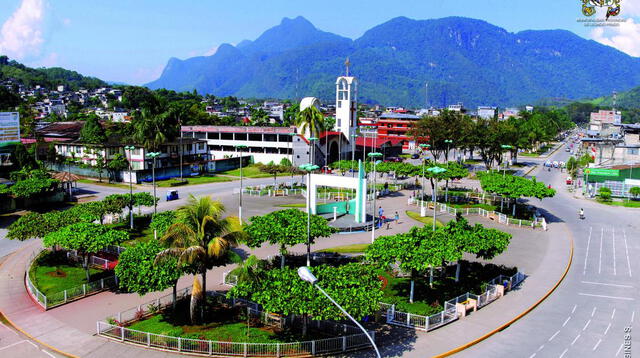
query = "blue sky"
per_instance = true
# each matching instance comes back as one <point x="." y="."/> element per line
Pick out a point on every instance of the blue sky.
<point x="131" y="41"/>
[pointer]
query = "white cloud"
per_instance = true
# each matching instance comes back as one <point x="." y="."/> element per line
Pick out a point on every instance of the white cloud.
<point x="625" y="37"/>
<point x="21" y="36"/>
<point x="50" y="60"/>
<point x="144" y="75"/>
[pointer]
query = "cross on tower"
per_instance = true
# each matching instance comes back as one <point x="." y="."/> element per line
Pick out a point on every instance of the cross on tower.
<point x="347" y="64"/>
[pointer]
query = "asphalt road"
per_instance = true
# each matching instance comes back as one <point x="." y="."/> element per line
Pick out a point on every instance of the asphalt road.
<point x="590" y="312"/>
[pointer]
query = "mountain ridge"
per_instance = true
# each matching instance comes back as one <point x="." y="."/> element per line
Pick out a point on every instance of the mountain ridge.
<point x="463" y="60"/>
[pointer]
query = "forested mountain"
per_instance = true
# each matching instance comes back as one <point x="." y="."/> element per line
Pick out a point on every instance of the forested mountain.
<point x="625" y="100"/>
<point x="462" y="59"/>
<point x="46" y="77"/>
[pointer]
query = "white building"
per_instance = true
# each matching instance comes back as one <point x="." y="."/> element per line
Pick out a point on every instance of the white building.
<point x="486" y="112"/>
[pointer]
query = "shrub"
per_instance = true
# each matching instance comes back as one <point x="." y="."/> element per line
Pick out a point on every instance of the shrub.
<point x="604" y="193"/>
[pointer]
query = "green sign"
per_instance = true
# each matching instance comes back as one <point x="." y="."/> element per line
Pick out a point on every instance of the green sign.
<point x="603" y="172"/>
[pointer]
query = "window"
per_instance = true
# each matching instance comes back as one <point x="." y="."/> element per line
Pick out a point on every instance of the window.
<point x="241" y="136"/>
<point x="201" y="135"/>
<point x="339" y="104"/>
<point x="255" y="137"/>
<point x="226" y="136"/>
<point x="270" y="137"/>
<point x="200" y="146"/>
<point x="213" y="135"/>
<point x="632" y="151"/>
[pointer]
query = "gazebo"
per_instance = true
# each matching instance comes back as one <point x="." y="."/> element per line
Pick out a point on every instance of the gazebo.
<point x="67" y="179"/>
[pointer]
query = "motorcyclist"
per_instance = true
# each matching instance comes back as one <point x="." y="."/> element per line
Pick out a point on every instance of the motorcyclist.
<point x="581" y="213"/>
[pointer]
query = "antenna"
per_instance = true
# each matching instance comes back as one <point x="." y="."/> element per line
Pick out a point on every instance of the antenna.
<point x="347" y="63"/>
<point x="297" y="80"/>
<point x="615" y="97"/>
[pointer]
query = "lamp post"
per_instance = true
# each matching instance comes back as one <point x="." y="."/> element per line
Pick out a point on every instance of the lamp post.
<point x="424" y="147"/>
<point x="240" y="201"/>
<point x="448" y="142"/>
<point x="309" y="168"/>
<point x="130" y="148"/>
<point x="154" y="155"/>
<point x="306" y="275"/>
<point x="374" y="156"/>
<point x="312" y="144"/>
<point x="505" y="147"/>
<point x="291" y="135"/>
<point x="435" y="171"/>
<point x="353" y="153"/>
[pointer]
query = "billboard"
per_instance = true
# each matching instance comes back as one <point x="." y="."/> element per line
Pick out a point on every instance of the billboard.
<point x="603" y="172"/>
<point x="9" y="127"/>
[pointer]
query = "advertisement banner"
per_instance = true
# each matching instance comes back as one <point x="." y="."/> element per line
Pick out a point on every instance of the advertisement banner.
<point x="9" y="127"/>
<point x="603" y="172"/>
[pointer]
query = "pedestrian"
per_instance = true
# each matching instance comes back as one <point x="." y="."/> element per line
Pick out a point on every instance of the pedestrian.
<point x="397" y="217"/>
<point x="380" y="211"/>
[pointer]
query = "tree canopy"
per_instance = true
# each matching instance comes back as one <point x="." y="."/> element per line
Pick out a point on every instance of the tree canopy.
<point x="138" y="272"/>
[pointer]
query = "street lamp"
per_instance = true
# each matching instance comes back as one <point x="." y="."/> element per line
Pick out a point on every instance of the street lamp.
<point x="240" y="206"/>
<point x="312" y="149"/>
<point x="130" y="148"/>
<point x="291" y="135"/>
<point x="373" y="156"/>
<point x="435" y="171"/>
<point x="309" y="168"/>
<point x="424" y="147"/>
<point x="448" y="142"/>
<point x="505" y="147"/>
<point x="353" y="153"/>
<point x="154" y="155"/>
<point x="306" y="275"/>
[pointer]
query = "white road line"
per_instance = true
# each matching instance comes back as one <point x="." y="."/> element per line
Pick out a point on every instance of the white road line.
<point x="606" y="284"/>
<point x="584" y="270"/>
<point x="613" y="314"/>
<point x="33" y="344"/>
<point x="600" y="258"/>
<point x="13" y="344"/>
<point x="47" y="353"/>
<point x="626" y="250"/>
<point x="533" y="355"/>
<point x="597" y="344"/>
<point x="593" y="312"/>
<point x="633" y="315"/>
<point x="564" y="352"/>
<point x="540" y="348"/>
<point x="586" y="325"/>
<point x="566" y="321"/>
<point x="611" y="297"/>
<point x="9" y="329"/>
<point x="619" y="349"/>
<point x="554" y="336"/>
<point x="607" y="330"/>
<point x="614" y="250"/>
<point x="575" y="339"/>
<point x="574" y="308"/>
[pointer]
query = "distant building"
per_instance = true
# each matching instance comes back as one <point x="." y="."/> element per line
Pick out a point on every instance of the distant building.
<point x="456" y="107"/>
<point x="604" y="118"/>
<point x="394" y="126"/>
<point x="508" y="113"/>
<point x="486" y="112"/>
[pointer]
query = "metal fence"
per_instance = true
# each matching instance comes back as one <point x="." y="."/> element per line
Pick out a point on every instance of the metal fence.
<point x="352" y="338"/>
<point x="52" y="300"/>
<point x="93" y="260"/>
<point x="449" y="314"/>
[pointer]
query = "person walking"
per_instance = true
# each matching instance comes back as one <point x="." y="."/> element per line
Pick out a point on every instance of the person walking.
<point x="380" y="214"/>
<point x="397" y="218"/>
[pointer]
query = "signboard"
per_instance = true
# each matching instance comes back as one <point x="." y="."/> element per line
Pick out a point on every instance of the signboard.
<point x="9" y="127"/>
<point x="603" y="172"/>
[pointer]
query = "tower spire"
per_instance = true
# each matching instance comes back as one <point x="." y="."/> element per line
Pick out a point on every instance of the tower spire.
<point x="347" y="63"/>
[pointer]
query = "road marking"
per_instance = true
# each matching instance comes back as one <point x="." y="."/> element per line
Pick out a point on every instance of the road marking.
<point x="607" y="284"/>
<point x="619" y="349"/>
<point x="47" y="353"/>
<point x="574" y="308"/>
<point x="575" y="339"/>
<point x="613" y="314"/>
<point x="626" y="250"/>
<point x="614" y="250"/>
<point x="565" y="322"/>
<point x="540" y="348"/>
<point x="611" y="297"/>
<point x="564" y="352"/>
<point x="9" y="329"/>
<point x="584" y="270"/>
<point x="14" y="344"/>
<point x="607" y="330"/>
<point x="533" y="355"/>
<point x="593" y="312"/>
<point x="633" y="315"/>
<point x="597" y="344"/>
<point x="600" y="258"/>
<point x="554" y="336"/>
<point x="586" y="325"/>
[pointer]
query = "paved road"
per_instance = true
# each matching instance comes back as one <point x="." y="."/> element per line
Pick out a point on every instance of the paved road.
<point x="599" y="299"/>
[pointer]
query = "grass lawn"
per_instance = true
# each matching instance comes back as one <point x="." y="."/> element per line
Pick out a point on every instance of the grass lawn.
<point x="295" y="205"/>
<point x="201" y="179"/>
<point x="427" y="220"/>
<point x="428" y="301"/>
<point x="625" y="203"/>
<point x="104" y="183"/>
<point x="347" y="249"/>
<point x="53" y="273"/>
<point x="540" y="151"/>
<point x="487" y="207"/>
<point x="222" y="323"/>
<point x="252" y="171"/>
<point x="473" y="161"/>
<point x="140" y="233"/>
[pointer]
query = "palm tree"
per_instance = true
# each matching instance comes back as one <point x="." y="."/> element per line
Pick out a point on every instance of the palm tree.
<point x="201" y="237"/>
<point x="149" y="129"/>
<point x="310" y="118"/>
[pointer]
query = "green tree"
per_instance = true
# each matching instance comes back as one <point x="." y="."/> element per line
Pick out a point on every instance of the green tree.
<point x="310" y="119"/>
<point x="161" y="222"/>
<point x="604" y="193"/>
<point x="116" y="164"/>
<point x="100" y="166"/>
<point x="635" y="191"/>
<point x="514" y="187"/>
<point x="92" y="131"/>
<point x="354" y="286"/>
<point x="285" y="228"/>
<point x="138" y="272"/>
<point x="201" y="238"/>
<point x="85" y="238"/>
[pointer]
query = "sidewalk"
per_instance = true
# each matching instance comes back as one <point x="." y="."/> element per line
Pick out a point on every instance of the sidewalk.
<point x="71" y="328"/>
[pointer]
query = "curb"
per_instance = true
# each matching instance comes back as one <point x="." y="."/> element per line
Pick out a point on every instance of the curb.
<point x="506" y="325"/>
<point x="27" y="334"/>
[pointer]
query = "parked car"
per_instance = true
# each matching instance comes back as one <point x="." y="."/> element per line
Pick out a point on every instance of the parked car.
<point x="172" y="195"/>
<point x="394" y="159"/>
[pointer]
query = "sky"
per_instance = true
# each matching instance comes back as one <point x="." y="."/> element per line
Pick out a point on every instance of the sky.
<point x="131" y="41"/>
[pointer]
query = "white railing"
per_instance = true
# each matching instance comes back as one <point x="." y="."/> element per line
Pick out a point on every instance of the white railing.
<point x="352" y="338"/>
<point x="93" y="260"/>
<point x="449" y="314"/>
<point x="55" y="299"/>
